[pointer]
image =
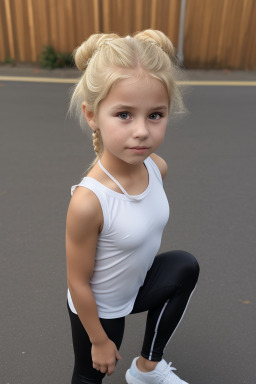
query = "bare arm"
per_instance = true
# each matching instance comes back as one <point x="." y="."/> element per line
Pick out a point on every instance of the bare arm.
<point x="84" y="221"/>
<point x="160" y="162"/>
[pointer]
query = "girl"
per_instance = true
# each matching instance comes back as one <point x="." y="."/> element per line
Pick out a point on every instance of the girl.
<point x="118" y="211"/>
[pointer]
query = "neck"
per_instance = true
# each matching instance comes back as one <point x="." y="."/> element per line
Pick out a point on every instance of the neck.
<point x="120" y="167"/>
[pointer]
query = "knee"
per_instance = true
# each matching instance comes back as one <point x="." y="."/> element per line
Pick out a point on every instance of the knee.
<point x="190" y="268"/>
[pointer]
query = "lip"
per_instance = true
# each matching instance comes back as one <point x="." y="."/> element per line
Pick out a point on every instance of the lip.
<point x="139" y="149"/>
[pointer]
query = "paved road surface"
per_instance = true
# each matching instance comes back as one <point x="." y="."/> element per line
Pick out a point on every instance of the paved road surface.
<point x="212" y="191"/>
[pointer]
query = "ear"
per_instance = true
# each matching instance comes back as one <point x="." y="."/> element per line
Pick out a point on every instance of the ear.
<point x="89" y="116"/>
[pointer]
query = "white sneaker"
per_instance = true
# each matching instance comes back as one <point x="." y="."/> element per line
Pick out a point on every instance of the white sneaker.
<point x="162" y="374"/>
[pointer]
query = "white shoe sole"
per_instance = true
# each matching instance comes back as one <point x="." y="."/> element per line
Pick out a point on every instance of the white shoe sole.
<point x="132" y="380"/>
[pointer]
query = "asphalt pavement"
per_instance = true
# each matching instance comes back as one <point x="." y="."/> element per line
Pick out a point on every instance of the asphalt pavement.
<point x="211" y="187"/>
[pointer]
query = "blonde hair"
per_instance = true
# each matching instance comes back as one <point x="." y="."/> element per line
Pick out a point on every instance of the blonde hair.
<point x="103" y="59"/>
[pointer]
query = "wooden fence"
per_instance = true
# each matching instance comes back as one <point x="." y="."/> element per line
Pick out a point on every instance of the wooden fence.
<point x="218" y="33"/>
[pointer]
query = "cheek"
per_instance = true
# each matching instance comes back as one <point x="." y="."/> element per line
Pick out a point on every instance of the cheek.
<point x="113" y="137"/>
<point x="159" y="134"/>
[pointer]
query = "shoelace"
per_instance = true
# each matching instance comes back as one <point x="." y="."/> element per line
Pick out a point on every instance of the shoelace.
<point x="167" y="372"/>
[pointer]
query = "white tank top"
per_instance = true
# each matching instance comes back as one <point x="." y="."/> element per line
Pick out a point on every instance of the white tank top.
<point x="128" y="243"/>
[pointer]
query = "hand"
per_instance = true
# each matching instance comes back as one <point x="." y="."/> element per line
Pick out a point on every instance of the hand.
<point x="105" y="356"/>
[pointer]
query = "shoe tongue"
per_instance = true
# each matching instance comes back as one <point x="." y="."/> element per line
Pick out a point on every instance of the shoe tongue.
<point x="161" y="366"/>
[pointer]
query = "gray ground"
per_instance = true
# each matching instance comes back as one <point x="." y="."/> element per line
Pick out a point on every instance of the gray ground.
<point x="212" y="192"/>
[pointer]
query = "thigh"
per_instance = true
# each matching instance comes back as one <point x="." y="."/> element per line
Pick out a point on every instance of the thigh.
<point x="170" y="272"/>
<point x="84" y="371"/>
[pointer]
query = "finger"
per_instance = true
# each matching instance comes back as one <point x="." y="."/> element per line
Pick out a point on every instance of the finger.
<point x="96" y="367"/>
<point x="111" y="369"/>
<point x="118" y="356"/>
<point x="104" y="369"/>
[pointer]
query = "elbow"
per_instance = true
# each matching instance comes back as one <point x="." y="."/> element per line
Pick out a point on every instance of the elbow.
<point x="76" y="286"/>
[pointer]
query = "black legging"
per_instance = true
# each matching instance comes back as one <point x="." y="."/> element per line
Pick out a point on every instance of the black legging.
<point x="165" y="294"/>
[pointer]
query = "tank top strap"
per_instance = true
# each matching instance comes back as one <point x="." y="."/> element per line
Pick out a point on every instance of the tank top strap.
<point x="113" y="179"/>
<point x="132" y="197"/>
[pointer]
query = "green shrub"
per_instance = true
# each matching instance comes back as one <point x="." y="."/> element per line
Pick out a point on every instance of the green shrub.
<point x="51" y="59"/>
<point x="9" y="60"/>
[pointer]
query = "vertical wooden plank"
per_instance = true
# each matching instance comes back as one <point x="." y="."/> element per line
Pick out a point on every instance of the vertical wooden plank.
<point x="120" y="19"/>
<point x="202" y="36"/>
<point x="38" y="25"/>
<point x="249" y="54"/>
<point x="48" y="29"/>
<point x="53" y="23"/>
<point x="96" y="13"/>
<point x="63" y="31"/>
<point x="207" y="19"/>
<point x="82" y="11"/>
<point x="43" y="23"/>
<point x="131" y="16"/>
<point x="25" y="36"/>
<point x="244" y="26"/>
<point x="249" y="51"/>
<point x="13" y="26"/>
<point x="234" y="32"/>
<point x="33" y="55"/>
<point x="85" y="19"/>
<point x="228" y="32"/>
<point x="70" y="27"/>
<point x="153" y="13"/>
<point x="3" y="34"/>
<point x="15" y="16"/>
<point x="78" y="23"/>
<point x="138" y="25"/>
<point x="193" y="32"/>
<point x="114" y="15"/>
<point x="95" y="16"/>
<point x="105" y="15"/>
<point x="76" y="5"/>
<point x="20" y="31"/>
<point x="146" y="14"/>
<point x="189" y="57"/>
<point x="9" y="23"/>
<point x="214" y="32"/>
<point x="243" y="33"/>
<point x="158" y="15"/>
<point x="223" y="17"/>
<point x="173" y="17"/>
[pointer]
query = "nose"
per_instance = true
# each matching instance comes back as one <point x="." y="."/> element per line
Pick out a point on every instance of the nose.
<point x="140" y="129"/>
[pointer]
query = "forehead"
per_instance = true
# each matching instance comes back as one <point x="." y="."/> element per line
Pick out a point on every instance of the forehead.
<point x="137" y="88"/>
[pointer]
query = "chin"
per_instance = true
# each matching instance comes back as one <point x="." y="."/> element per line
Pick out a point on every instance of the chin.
<point x="136" y="161"/>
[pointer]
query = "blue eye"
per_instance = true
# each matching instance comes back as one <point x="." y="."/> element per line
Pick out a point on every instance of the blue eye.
<point x="155" y="116"/>
<point x="123" y="115"/>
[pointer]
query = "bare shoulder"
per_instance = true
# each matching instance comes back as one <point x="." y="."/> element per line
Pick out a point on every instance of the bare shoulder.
<point x="84" y="213"/>
<point x="161" y="164"/>
<point x="84" y="222"/>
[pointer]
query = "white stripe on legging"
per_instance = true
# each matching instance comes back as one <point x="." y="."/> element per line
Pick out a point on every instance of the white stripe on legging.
<point x="181" y="316"/>
<point x="156" y="328"/>
<point x="158" y="321"/>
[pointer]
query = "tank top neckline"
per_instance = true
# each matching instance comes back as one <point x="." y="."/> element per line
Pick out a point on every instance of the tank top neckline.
<point x="132" y="197"/>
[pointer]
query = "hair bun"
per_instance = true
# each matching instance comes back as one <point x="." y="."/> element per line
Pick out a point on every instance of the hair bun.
<point x="158" y="38"/>
<point x="86" y="50"/>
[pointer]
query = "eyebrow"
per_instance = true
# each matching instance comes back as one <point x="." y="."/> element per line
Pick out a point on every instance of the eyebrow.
<point x="124" y="107"/>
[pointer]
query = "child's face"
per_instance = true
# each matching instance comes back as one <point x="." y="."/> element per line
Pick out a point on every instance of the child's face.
<point x="132" y="118"/>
